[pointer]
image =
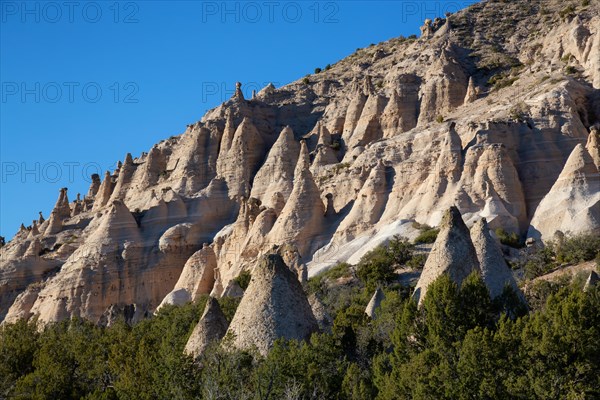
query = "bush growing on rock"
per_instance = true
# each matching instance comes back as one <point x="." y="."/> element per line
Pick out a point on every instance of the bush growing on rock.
<point x="511" y="239"/>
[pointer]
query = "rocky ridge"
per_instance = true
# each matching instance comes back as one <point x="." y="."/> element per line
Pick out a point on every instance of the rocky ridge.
<point x="501" y="123"/>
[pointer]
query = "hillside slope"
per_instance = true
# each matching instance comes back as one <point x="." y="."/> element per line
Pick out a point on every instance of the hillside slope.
<point x="495" y="110"/>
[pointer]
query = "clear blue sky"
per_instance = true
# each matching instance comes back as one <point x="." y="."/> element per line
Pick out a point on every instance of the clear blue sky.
<point x="83" y="83"/>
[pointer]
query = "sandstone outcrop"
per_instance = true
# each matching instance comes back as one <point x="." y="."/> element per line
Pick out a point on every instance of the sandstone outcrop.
<point x="247" y="148"/>
<point x="573" y="203"/>
<point x="504" y="132"/>
<point x="197" y="278"/>
<point x="369" y="204"/>
<point x="210" y="329"/>
<point x="400" y="113"/>
<point x="495" y="272"/>
<point x="325" y="155"/>
<point x="323" y="318"/>
<point x="445" y="87"/>
<point x="301" y="220"/>
<point x="104" y="192"/>
<point x="368" y="127"/>
<point x="452" y="254"/>
<point x="591" y="281"/>
<point x="274" y="306"/>
<point x="276" y="175"/>
<point x="374" y="303"/>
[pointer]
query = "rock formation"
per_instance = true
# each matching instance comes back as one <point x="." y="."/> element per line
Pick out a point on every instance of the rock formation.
<point x="452" y="254"/>
<point x="277" y="172"/>
<point x="323" y="318"/>
<point x="396" y="133"/>
<point x="325" y="155"/>
<point x="233" y="289"/>
<point x="374" y="303"/>
<point x="495" y="272"/>
<point x="591" y="281"/>
<point x="369" y="204"/>
<point x="247" y="147"/>
<point x="210" y="329"/>
<point x="94" y="186"/>
<point x="301" y="220"/>
<point x="573" y="203"/>
<point x="274" y="306"/>
<point x="445" y="88"/>
<point x="104" y="192"/>
<point x="197" y="278"/>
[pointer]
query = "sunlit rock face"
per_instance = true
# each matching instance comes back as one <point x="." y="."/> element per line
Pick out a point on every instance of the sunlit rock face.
<point x="332" y="166"/>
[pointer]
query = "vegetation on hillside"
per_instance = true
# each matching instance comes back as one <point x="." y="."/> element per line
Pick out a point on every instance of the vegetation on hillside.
<point x="460" y="344"/>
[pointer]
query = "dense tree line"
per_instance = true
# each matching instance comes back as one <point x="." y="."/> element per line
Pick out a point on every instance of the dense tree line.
<point x="459" y="345"/>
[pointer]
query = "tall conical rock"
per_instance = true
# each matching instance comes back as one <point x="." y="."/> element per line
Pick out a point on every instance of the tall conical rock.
<point x="277" y="172"/>
<point x="125" y="177"/>
<point x="197" y="278"/>
<point x="374" y="303"/>
<point x="34" y="230"/>
<point x="452" y="254"/>
<point x="593" y="145"/>
<point x="274" y="306"/>
<point x="301" y="220"/>
<point x="243" y="159"/>
<point x="94" y="186"/>
<point x="323" y="318"/>
<point x="445" y="87"/>
<point x="325" y="155"/>
<point x="62" y="208"/>
<point x="156" y="164"/>
<point x="494" y="271"/>
<point x="55" y="224"/>
<point x="573" y="203"/>
<point x="391" y="116"/>
<point x="104" y="192"/>
<point x="353" y="113"/>
<point x="61" y="211"/>
<point x="196" y="157"/>
<point x="369" y="205"/>
<point x="471" y="95"/>
<point x="443" y="178"/>
<point x="368" y="127"/>
<point x="226" y="140"/>
<point x="88" y="282"/>
<point x="402" y="110"/>
<point x="211" y="328"/>
<point x="490" y="178"/>
<point x="591" y="281"/>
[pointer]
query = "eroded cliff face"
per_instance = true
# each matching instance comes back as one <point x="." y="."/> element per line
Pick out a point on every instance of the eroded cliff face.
<point x="504" y="127"/>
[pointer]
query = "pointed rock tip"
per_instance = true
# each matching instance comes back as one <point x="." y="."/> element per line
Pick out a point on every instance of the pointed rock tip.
<point x="238" y="95"/>
<point x="118" y="206"/>
<point x="303" y="164"/>
<point x="578" y="159"/>
<point x="273" y="263"/>
<point x="452" y="217"/>
<point x="287" y="132"/>
<point x="591" y="281"/>
<point x="480" y="225"/>
<point x="212" y="306"/>
<point x="368" y="87"/>
<point x="375" y="303"/>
